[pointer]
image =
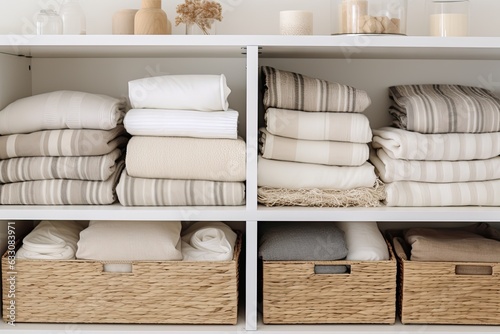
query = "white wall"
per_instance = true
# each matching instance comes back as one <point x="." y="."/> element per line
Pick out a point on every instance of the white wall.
<point x="240" y="16"/>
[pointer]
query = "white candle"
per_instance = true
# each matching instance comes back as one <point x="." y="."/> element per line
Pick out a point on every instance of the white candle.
<point x="296" y="22"/>
<point x="448" y="25"/>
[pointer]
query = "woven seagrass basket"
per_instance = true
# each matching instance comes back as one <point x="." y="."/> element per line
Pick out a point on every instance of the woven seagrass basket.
<point x="433" y="292"/>
<point x="294" y="294"/>
<point x="169" y="292"/>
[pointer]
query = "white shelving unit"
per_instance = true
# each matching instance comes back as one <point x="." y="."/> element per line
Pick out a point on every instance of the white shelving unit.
<point x="101" y="63"/>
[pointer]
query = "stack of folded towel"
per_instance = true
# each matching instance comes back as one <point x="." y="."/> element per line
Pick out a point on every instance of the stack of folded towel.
<point x="62" y="147"/>
<point x="185" y="150"/>
<point x="444" y="150"/>
<point x="314" y="149"/>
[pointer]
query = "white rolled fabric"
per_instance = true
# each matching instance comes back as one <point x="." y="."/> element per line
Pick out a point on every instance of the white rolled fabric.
<point x="364" y="241"/>
<point x="185" y="92"/>
<point x="208" y="241"/>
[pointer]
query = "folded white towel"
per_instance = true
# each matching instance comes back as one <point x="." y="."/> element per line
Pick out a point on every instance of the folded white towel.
<point x="61" y="110"/>
<point x="364" y="241"/>
<point x="51" y="240"/>
<point x="186" y="92"/>
<point x="208" y="241"/>
<point x="182" y="123"/>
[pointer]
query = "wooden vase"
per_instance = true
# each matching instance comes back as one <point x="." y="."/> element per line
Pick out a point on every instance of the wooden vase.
<point x="151" y="19"/>
<point x="123" y="22"/>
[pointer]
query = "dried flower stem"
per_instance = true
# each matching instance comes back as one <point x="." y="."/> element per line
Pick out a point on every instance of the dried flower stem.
<point x="199" y="12"/>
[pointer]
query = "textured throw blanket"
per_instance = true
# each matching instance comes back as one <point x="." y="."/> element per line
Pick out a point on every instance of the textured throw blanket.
<point x="391" y="170"/>
<point x="346" y="127"/>
<point x="364" y="241"/>
<point x="51" y="240"/>
<point x="182" y="123"/>
<point x="61" y="110"/>
<point x="293" y="175"/>
<point x="91" y="168"/>
<point x="208" y="241"/>
<point x="407" y="193"/>
<point x="66" y="143"/>
<point x="61" y="192"/>
<point x="402" y="144"/>
<point x="133" y="191"/>
<point x="289" y="90"/>
<point x="187" y="158"/>
<point x="186" y="92"/>
<point x="312" y="151"/>
<point x="445" y="109"/>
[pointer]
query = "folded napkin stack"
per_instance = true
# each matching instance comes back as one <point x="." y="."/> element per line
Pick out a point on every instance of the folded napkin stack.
<point x="314" y="148"/>
<point x="185" y="150"/>
<point x="62" y="147"/>
<point x="443" y="149"/>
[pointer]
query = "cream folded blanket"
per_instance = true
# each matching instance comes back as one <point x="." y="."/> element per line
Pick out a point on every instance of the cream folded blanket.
<point x="187" y="158"/>
<point x="61" y="110"/>
<point x="91" y="168"/>
<point x="312" y="151"/>
<point x="62" y="143"/>
<point x="208" y="241"/>
<point x="402" y="144"/>
<point x="61" y="192"/>
<point x="133" y="191"/>
<point x="391" y="170"/>
<point x="406" y="193"/>
<point x="131" y="241"/>
<point x="186" y="92"/>
<point x="182" y="123"/>
<point x="296" y="175"/>
<point x="346" y="127"/>
<point x="51" y="240"/>
<point x="364" y="241"/>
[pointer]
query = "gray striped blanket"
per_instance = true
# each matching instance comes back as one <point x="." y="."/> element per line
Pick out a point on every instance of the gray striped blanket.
<point x="445" y="109"/>
<point x="289" y="90"/>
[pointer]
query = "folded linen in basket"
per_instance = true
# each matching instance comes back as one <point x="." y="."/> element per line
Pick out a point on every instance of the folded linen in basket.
<point x="289" y="90"/>
<point x="407" y="193"/>
<point x="131" y="241"/>
<point x="90" y="168"/>
<point x="51" y="240"/>
<point x="61" y="110"/>
<point x="61" y="192"/>
<point x="187" y="158"/>
<point x="323" y="152"/>
<point x="364" y="241"/>
<point x="65" y="143"/>
<point x="208" y="241"/>
<point x="391" y="170"/>
<point x="297" y="175"/>
<point x="186" y="92"/>
<point x="182" y="123"/>
<point x="346" y="127"/>
<point x="402" y="144"/>
<point x="133" y="191"/>
<point x="445" y="109"/>
<point x="451" y="245"/>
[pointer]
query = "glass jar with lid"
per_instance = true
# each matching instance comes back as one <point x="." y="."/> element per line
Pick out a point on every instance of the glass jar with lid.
<point x="48" y="22"/>
<point x="449" y="18"/>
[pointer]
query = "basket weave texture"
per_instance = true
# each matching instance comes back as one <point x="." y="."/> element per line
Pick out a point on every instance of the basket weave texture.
<point x="294" y="294"/>
<point x="432" y="292"/>
<point x="168" y="292"/>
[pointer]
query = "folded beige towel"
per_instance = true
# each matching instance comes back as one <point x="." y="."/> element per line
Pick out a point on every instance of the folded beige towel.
<point x="187" y="158"/>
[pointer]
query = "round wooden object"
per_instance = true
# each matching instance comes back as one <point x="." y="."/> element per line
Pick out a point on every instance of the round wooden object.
<point x="151" y="19"/>
<point x="123" y="22"/>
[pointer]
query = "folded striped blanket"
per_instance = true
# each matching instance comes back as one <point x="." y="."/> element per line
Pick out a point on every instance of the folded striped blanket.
<point x="407" y="193"/>
<point x="289" y="90"/>
<point x="182" y="123"/>
<point x="91" y="168"/>
<point x="312" y="151"/>
<point x="445" y="109"/>
<point x="133" y="191"/>
<point x="402" y="144"/>
<point x="61" y="110"/>
<point x="67" y="143"/>
<point x="61" y="192"/>
<point x="347" y="127"/>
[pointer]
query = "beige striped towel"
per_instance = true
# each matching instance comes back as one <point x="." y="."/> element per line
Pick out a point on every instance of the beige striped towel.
<point x="289" y="90"/>
<point x="347" y="127"/>
<point x="312" y="151"/>
<point x="56" y="143"/>
<point x="133" y="191"/>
